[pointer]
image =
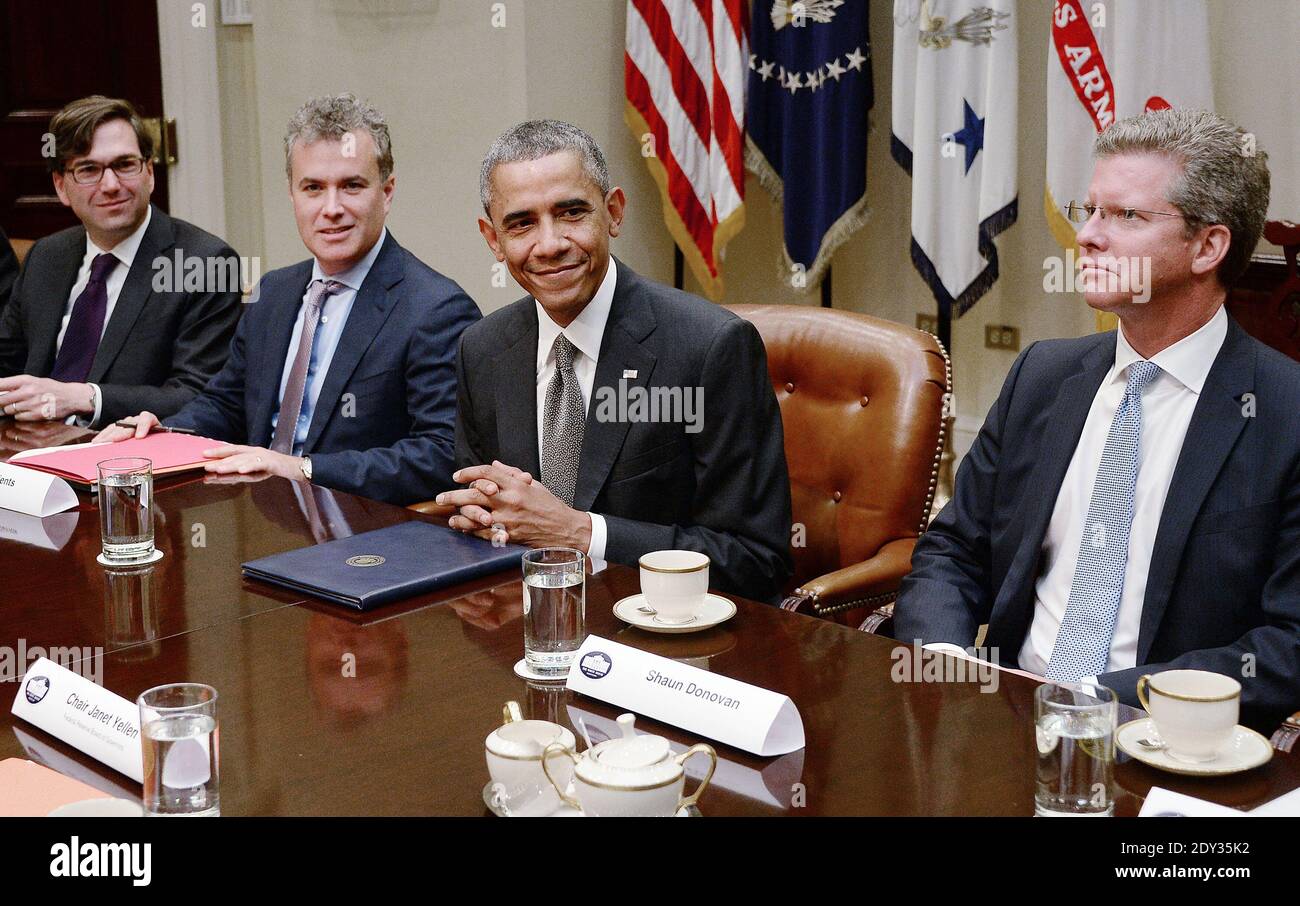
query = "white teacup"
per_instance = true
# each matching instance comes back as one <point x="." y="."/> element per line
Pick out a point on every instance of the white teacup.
<point x="674" y="583"/>
<point x="514" y="759"/>
<point x="1194" y="711"/>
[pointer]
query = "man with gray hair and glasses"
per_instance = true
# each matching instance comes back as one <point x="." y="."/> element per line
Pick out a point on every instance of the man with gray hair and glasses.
<point x="1132" y="502"/>
<point x="549" y="388"/>
<point x="343" y="371"/>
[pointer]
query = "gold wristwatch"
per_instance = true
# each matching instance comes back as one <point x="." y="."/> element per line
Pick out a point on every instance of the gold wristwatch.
<point x="306" y="468"/>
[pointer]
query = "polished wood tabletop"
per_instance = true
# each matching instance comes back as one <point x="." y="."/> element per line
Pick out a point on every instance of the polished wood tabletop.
<point x="325" y="711"/>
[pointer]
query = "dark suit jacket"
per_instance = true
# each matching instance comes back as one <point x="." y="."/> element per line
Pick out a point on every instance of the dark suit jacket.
<point x="723" y="491"/>
<point x="382" y="425"/>
<point x="158" y="348"/>
<point x="8" y="269"/>
<point x="1223" y="591"/>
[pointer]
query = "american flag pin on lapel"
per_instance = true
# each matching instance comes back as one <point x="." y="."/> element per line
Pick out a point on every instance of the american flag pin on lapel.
<point x="629" y="373"/>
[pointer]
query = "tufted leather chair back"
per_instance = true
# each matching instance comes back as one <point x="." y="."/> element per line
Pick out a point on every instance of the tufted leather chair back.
<point x="21" y="247"/>
<point x="862" y="404"/>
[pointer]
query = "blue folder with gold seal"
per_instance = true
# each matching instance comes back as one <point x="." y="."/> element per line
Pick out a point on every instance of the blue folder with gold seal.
<point x="385" y="565"/>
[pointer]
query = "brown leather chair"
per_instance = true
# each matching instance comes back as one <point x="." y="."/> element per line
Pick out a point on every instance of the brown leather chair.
<point x="862" y="403"/>
<point x="1266" y="303"/>
<point x="1266" y="300"/>
<point x="21" y="247"/>
<point x="429" y="508"/>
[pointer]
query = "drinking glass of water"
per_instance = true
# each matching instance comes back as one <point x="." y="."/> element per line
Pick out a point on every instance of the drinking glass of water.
<point x="555" y="608"/>
<point x="179" y="733"/>
<point x="1074" y="730"/>
<point x="126" y="509"/>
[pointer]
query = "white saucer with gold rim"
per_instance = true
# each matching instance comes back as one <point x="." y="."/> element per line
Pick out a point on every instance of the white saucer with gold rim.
<point x="1247" y="750"/>
<point x="493" y="799"/>
<point x="634" y="609"/>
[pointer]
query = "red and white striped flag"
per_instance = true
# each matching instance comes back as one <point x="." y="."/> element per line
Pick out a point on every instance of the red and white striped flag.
<point x="685" y="70"/>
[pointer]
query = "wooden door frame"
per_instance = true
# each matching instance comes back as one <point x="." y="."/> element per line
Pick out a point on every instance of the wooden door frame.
<point x="192" y="94"/>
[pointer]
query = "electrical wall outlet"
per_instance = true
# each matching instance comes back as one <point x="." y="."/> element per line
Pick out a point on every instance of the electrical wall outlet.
<point x="1000" y="336"/>
<point x="928" y="323"/>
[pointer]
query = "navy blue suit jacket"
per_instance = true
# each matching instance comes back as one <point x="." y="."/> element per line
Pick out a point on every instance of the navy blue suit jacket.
<point x="1223" y="591"/>
<point x="384" y="423"/>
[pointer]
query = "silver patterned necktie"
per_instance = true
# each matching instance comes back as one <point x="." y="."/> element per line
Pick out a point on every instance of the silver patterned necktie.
<point x="564" y="419"/>
<point x="1083" y="643"/>
<point x="286" y="424"/>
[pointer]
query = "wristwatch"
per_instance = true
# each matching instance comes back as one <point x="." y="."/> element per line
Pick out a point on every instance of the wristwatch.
<point x="306" y="468"/>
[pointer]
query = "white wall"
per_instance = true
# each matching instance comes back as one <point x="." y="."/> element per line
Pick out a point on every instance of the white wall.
<point x="450" y="81"/>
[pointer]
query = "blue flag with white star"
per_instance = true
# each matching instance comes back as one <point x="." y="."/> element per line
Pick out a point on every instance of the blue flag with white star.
<point x="806" y="116"/>
<point x="954" y="132"/>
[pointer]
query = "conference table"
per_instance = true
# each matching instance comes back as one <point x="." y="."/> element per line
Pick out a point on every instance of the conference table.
<point x="326" y="711"/>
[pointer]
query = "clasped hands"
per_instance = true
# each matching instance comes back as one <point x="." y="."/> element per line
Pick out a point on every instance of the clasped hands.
<point x="504" y="504"/>
<point x="32" y="399"/>
<point x="227" y="459"/>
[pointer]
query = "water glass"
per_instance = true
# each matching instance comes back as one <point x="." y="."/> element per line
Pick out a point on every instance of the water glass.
<point x="1074" y="732"/>
<point x="132" y="615"/>
<point x="179" y="733"/>
<point x="555" y="602"/>
<point x="126" y="509"/>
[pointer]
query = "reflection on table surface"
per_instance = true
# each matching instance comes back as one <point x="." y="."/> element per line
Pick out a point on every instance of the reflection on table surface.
<point x="328" y="711"/>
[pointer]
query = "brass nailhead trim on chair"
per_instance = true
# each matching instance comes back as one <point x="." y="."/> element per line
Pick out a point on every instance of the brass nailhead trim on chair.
<point x="849" y="605"/>
<point x="938" y="453"/>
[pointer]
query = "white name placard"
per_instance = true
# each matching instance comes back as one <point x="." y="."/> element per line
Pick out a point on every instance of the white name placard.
<point x="49" y="532"/>
<point x="1163" y="803"/>
<point x="34" y="493"/>
<point x="714" y="706"/>
<point x="103" y="725"/>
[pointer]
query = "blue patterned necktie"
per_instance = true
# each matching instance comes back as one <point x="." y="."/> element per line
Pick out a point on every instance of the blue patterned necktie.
<point x="1083" y="642"/>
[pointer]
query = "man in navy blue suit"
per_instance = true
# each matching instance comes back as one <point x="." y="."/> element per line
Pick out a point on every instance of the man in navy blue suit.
<point x="343" y="370"/>
<point x="1132" y="502"/>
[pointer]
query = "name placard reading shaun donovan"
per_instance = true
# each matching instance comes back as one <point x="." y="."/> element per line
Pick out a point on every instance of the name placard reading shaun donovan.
<point x="715" y="706"/>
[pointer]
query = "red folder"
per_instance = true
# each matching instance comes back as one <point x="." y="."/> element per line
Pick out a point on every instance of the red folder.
<point x="168" y="452"/>
<point x="28" y="789"/>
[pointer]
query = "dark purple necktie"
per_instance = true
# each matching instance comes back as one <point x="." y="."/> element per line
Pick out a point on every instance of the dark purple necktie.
<point x="86" y="324"/>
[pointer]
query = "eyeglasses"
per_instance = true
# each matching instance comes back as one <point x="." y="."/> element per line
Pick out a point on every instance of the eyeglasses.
<point x="89" y="173"/>
<point x="1082" y="213"/>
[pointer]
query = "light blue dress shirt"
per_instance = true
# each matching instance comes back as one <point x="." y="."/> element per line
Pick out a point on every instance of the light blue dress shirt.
<point x="334" y="317"/>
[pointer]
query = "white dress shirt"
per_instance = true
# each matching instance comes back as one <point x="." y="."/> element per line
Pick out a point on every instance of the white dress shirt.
<point x="124" y="252"/>
<point x="585" y="333"/>
<point x="1167" y="405"/>
<point x="329" y="330"/>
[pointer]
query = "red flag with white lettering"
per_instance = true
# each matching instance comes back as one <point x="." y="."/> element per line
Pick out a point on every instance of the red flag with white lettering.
<point x="1111" y="59"/>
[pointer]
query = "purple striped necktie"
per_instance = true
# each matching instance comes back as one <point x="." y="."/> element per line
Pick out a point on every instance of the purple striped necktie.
<point x="85" y="325"/>
<point x="286" y="425"/>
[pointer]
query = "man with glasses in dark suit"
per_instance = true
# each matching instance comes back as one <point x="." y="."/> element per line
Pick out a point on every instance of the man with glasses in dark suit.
<point x="100" y="323"/>
<point x="1132" y="503"/>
